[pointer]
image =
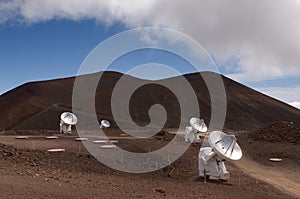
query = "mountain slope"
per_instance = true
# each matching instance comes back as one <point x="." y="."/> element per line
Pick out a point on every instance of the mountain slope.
<point x="38" y="105"/>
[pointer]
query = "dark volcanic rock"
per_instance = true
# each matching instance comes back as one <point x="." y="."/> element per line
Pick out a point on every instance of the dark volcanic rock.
<point x="281" y="132"/>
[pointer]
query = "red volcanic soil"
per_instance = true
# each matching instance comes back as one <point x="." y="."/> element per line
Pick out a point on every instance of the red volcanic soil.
<point x="37" y="105"/>
<point x="27" y="173"/>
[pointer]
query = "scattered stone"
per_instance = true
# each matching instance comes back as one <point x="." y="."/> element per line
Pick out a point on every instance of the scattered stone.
<point x="160" y="190"/>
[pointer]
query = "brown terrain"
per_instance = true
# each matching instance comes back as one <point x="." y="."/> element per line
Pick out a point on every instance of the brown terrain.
<point x="27" y="107"/>
<point x="27" y="170"/>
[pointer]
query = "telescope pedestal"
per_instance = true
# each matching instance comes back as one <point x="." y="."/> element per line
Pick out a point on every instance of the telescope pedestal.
<point x="65" y="128"/>
<point x="210" y="165"/>
<point x="191" y="135"/>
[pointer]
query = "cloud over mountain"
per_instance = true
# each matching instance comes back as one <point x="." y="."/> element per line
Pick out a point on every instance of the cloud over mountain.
<point x="262" y="37"/>
<point x="295" y="104"/>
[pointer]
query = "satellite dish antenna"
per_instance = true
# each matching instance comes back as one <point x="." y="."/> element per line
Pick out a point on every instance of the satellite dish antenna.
<point x="104" y="124"/>
<point x="67" y="119"/>
<point x="225" y="145"/>
<point x="191" y="132"/>
<point x="211" y="158"/>
<point x="198" y="124"/>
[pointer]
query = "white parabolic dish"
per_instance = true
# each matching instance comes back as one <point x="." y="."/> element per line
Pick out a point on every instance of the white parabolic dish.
<point x="198" y="124"/>
<point x="105" y="123"/>
<point x="68" y="118"/>
<point x="225" y="145"/>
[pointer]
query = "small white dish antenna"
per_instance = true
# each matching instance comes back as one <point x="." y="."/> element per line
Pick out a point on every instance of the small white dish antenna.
<point x="191" y="132"/>
<point x="211" y="158"/>
<point x="67" y="119"/>
<point x="104" y="124"/>
<point x="198" y="124"/>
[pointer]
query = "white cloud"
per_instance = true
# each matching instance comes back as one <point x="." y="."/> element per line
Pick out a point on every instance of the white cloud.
<point x="295" y="104"/>
<point x="9" y="10"/>
<point x="263" y="35"/>
<point x="31" y="11"/>
<point x="288" y="95"/>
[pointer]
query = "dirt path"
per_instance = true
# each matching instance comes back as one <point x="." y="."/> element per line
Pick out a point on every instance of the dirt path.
<point x="278" y="178"/>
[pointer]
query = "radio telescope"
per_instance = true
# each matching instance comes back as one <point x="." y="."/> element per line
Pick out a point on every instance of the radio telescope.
<point x="104" y="124"/>
<point x="191" y="132"/>
<point x="221" y="147"/>
<point x="67" y="119"/>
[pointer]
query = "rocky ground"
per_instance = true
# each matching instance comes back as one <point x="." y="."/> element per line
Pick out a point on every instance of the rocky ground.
<point x="28" y="171"/>
<point x="278" y="132"/>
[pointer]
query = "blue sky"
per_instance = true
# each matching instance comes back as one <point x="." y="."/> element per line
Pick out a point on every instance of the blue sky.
<point x="46" y="50"/>
<point x="45" y="39"/>
<point x="57" y="48"/>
